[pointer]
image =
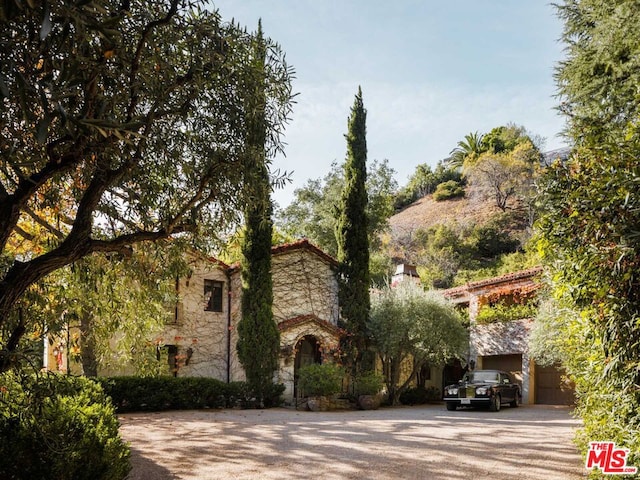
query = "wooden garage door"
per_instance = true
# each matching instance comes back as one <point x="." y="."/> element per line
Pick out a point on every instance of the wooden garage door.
<point x="508" y="363"/>
<point x="551" y="389"/>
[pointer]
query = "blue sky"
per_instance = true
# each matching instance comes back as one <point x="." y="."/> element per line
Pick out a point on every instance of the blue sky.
<point x="430" y="71"/>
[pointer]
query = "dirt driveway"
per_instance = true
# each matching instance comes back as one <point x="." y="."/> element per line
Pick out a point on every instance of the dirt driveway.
<point x="425" y="442"/>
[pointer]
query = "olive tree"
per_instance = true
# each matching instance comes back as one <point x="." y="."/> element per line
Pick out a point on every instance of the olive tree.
<point x="413" y="327"/>
<point x="126" y="122"/>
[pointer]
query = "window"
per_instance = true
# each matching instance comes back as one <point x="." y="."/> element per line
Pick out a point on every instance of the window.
<point x="213" y="295"/>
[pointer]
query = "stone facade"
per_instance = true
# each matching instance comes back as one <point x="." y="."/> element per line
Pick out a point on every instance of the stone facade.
<point x="199" y="335"/>
<point x="305" y="306"/>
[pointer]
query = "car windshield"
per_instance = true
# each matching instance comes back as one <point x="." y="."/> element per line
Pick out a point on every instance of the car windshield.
<point x="482" y="377"/>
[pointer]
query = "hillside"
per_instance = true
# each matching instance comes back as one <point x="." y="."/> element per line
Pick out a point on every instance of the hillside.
<point x="426" y="212"/>
<point x="462" y="235"/>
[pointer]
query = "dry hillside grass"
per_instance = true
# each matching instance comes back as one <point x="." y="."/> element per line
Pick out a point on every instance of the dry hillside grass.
<point x="459" y="214"/>
<point x="425" y="213"/>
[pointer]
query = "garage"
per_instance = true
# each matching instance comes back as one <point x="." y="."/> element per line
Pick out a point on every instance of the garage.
<point x="508" y="363"/>
<point x="551" y="388"/>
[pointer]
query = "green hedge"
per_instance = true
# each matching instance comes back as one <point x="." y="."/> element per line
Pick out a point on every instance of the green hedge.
<point x="135" y="394"/>
<point x="320" y="380"/>
<point x="420" y="395"/>
<point x="369" y="383"/>
<point x="58" y="427"/>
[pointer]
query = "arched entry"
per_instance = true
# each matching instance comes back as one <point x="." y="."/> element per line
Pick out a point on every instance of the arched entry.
<point x="307" y="353"/>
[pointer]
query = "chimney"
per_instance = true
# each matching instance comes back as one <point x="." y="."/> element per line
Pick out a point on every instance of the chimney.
<point x="404" y="272"/>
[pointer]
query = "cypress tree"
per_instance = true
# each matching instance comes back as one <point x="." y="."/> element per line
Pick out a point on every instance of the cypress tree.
<point x="258" y="336"/>
<point x="351" y="235"/>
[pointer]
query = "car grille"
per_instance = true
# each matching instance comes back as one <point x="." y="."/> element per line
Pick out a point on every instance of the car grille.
<point x="468" y="392"/>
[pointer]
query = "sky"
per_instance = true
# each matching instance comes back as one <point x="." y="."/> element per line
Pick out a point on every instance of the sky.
<point x="431" y="71"/>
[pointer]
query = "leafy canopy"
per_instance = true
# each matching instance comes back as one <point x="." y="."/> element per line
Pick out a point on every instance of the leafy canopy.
<point x="409" y="324"/>
<point x="589" y="228"/>
<point x="312" y="213"/>
<point x="122" y="122"/>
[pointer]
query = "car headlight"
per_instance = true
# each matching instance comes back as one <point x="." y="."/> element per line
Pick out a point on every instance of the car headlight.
<point x="482" y="390"/>
<point x="452" y="391"/>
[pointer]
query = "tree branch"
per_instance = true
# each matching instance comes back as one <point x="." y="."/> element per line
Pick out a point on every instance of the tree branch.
<point x="43" y="223"/>
<point x="135" y="64"/>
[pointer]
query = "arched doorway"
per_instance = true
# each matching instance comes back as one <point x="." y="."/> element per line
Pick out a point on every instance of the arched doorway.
<point x="307" y="353"/>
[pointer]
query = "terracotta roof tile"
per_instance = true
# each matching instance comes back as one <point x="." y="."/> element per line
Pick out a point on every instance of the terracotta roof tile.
<point x="509" y="277"/>
<point x="302" y="244"/>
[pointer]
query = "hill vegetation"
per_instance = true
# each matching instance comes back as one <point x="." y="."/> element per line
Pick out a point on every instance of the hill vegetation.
<point x="470" y="217"/>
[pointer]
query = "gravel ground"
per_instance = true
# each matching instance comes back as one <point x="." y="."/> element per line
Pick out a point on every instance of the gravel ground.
<point x="423" y="442"/>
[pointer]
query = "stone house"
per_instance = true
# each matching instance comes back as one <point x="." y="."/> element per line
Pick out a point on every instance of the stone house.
<point x="503" y="345"/>
<point x="201" y="338"/>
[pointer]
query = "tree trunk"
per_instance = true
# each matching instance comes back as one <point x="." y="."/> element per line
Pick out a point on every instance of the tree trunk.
<point x="88" y="345"/>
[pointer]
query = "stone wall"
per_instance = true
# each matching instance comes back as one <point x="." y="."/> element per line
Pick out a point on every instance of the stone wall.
<point x="305" y="291"/>
<point x="500" y="338"/>
<point x="304" y="284"/>
<point x="195" y="330"/>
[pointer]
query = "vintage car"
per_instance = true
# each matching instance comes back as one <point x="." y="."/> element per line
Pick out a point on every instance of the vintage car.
<point x="489" y="388"/>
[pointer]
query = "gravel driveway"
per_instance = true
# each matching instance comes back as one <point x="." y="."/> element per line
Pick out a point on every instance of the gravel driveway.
<point x="423" y="442"/>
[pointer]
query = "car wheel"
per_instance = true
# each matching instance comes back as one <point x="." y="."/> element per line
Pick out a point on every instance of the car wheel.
<point x="494" y="406"/>
<point x="516" y="401"/>
<point x="451" y="406"/>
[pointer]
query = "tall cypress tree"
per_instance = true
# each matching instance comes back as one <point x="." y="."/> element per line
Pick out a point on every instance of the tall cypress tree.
<point x="258" y="336"/>
<point x="351" y="234"/>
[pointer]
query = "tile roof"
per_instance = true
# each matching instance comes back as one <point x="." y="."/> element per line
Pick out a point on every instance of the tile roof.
<point x="302" y="244"/>
<point x="507" y="278"/>
<point x="306" y="245"/>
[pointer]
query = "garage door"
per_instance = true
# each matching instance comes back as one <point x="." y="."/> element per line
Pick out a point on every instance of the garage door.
<point x="550" y="387"/>
<point x="508" y="363"/>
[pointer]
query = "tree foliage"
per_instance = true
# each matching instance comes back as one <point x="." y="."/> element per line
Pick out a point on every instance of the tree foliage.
<point x="448" y="190"/>
<point x="425" y="180"/>
<point x="312" y="213"/>
<point x="126" y="121"/>
<point x="473" y="144"/>
<point x="504" y="174"/>
<point x="258" y="336"/>
<point x="352" y="234"/>
<point x="589" y="230"/>
<point x="119" y="306"/>
<point x="449" y="255"/>
<point x="414" y="327"/>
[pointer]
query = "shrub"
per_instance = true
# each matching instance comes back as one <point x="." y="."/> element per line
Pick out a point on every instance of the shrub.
<point x="135" y="394"/>
<point x="448" y="190"/>
<point x="420" y="395"/>
<point x="505" y="313"/>
<point x="58" y="427"/>
<point x="321" y="380"/>
<point x="369" y="383"/>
